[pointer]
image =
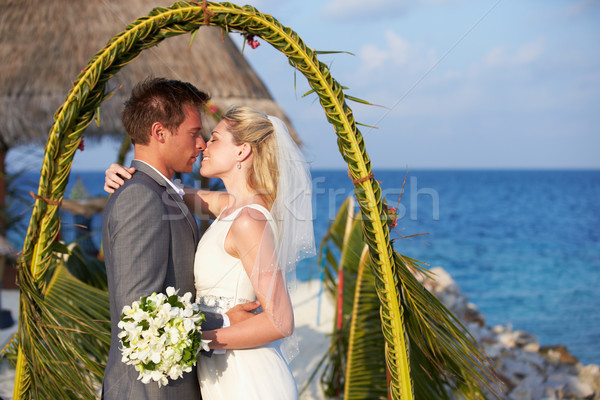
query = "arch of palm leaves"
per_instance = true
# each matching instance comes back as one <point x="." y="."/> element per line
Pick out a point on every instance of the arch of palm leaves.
<point x="39" y="281"/>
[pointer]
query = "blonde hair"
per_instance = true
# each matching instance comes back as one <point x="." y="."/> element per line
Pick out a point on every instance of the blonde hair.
<point x="253" y="127"/>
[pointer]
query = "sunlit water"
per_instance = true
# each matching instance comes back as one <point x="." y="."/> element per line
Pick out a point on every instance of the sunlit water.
<point x="522" y="245"/>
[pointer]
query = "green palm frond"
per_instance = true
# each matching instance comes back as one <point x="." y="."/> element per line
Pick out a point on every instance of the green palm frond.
<point x="444" y="359"/>
<point x="63" y="337"/>
<point x="365" y="368"/>
<point x="448" y="354"/>
<point x="355" y="363"/>
<point x="87" y="269"/>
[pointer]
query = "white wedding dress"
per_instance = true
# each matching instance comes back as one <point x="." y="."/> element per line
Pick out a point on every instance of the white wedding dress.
<point x="221" y="282"/>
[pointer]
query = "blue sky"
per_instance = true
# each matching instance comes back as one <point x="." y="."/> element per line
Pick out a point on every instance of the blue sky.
<point x="465" y="84"/>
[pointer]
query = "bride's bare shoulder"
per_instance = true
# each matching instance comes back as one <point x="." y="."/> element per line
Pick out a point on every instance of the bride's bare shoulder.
<point x="250" y="219"/>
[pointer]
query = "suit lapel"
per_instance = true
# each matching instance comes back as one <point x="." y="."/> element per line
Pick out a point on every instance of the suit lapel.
<point x="143" y="167"/>
<point x="185" y="211"/>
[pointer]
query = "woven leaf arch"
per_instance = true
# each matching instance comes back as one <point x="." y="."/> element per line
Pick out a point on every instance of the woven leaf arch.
<point x="80" y="107"/>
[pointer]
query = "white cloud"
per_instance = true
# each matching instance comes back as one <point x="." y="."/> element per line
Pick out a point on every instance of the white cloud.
<point x="396" y="51"/>
<point x="525" y="55"/>
<point x="373" y="57"/>
<point x="495" y="57"/>
<point x="379" y="8"/>
<point x="529" y="53"/>
<point x="358" y="8"/>
<point x="399" y="48"/>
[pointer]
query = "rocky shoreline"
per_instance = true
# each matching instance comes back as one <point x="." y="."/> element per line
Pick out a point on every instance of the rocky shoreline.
<point x="529" y="371"/>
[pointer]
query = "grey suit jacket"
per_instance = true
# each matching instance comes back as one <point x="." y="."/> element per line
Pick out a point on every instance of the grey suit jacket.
<point x="149" y="239"/>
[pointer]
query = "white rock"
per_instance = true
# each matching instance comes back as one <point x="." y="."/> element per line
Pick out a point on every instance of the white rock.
<point x="507" y="339"/>
<point x="522" y="338"/>
<point x="590" y="374"/>
<point x="517" y="369"/>
<point x="498" y="329"/>
<point x="532" y="347"/>
<point x="444" y="281"/>
<point x="533" y="359"/>
<point x="475" y="330"/>
<point x="520" y="393"/>
<point x="549" y="393"/>
<point x="494" y="350"/>
<point x="578" y="389"/>
<point x="555" y="387"/>
<point x="535" y="383"/>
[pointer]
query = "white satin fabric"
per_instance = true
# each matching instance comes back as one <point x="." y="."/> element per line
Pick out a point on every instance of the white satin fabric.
<point x="222" y="282"/>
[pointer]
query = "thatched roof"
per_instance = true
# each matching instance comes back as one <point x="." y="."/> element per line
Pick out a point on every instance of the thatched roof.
<point x="44" y="44"/>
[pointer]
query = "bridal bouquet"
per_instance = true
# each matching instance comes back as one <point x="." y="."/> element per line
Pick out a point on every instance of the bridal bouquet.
<point x="161" y="336"/>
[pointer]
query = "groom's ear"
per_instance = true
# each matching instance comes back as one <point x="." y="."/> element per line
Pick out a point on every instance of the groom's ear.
<point x="158" y="132"/>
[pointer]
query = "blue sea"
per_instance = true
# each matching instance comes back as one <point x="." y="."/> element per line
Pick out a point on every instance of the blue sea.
<point x="524" y="246"/>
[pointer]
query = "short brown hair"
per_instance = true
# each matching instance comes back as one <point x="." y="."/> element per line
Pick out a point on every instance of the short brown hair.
<point x="159" y="100"/>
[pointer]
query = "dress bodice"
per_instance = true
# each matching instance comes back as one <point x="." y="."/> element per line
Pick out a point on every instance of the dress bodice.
<point x="259" y="373"/>
<point x="220" y="279"/>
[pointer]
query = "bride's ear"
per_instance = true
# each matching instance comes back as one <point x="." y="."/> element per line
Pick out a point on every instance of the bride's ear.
<point x="245" y="151"/>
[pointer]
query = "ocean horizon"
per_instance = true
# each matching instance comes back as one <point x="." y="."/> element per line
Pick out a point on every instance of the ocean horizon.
<point x="522" y="244"/>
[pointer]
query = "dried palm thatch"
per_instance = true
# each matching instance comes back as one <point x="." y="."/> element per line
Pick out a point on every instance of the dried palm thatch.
<point x="43" y="44"/>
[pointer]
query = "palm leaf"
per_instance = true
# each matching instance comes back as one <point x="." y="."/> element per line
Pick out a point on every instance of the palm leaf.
<point x="88" y="269"/>
<point x="67" y="338"/>
<point x="448" y="354"/>
<point x="355" y="363"/>
<point x="334" y="242"/>
<point x="444" y="358"/>
<point x="366" y="370"/>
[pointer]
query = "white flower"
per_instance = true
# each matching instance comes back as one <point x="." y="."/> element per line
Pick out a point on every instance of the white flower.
<point x="173" y="335"/>
<point x="186" y="298"/>
<point x="188" y="325"/>
<point x="175" y="372"/>
<point x="204" y="344"/>
<point x="156" y="334"/>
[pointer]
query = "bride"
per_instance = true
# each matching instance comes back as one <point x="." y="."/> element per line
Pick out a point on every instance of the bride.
<point x="263" y="226"/>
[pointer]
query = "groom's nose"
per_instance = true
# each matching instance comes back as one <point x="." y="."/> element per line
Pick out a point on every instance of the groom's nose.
<point x="200" y="143"/>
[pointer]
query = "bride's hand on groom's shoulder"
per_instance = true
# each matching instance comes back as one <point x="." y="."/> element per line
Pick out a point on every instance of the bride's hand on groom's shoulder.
<point x="115" y="175"/>
<point x="242" y="312"/>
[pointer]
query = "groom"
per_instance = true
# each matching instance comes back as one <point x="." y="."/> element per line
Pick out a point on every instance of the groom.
<point x="149" y="236"/>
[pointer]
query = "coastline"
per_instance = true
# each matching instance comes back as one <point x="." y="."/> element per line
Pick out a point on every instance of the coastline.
<point x="528" y="370"/>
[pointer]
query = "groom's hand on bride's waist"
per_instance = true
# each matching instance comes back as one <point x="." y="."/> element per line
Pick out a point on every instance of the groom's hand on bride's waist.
<point x="242" y="312"/>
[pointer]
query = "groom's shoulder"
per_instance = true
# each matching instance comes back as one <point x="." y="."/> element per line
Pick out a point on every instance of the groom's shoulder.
<point x="140" y="187"/>
<point x="142" y="179"/>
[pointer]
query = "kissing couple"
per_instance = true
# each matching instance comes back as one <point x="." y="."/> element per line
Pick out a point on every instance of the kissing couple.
<point x="262" y="227"/>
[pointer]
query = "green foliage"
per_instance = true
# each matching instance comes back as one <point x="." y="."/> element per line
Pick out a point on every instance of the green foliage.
<point x="444" y="359"/>
<point x="65" y="332"/>
<point x="354" y="365"/>
<point x="87" y="269"/>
